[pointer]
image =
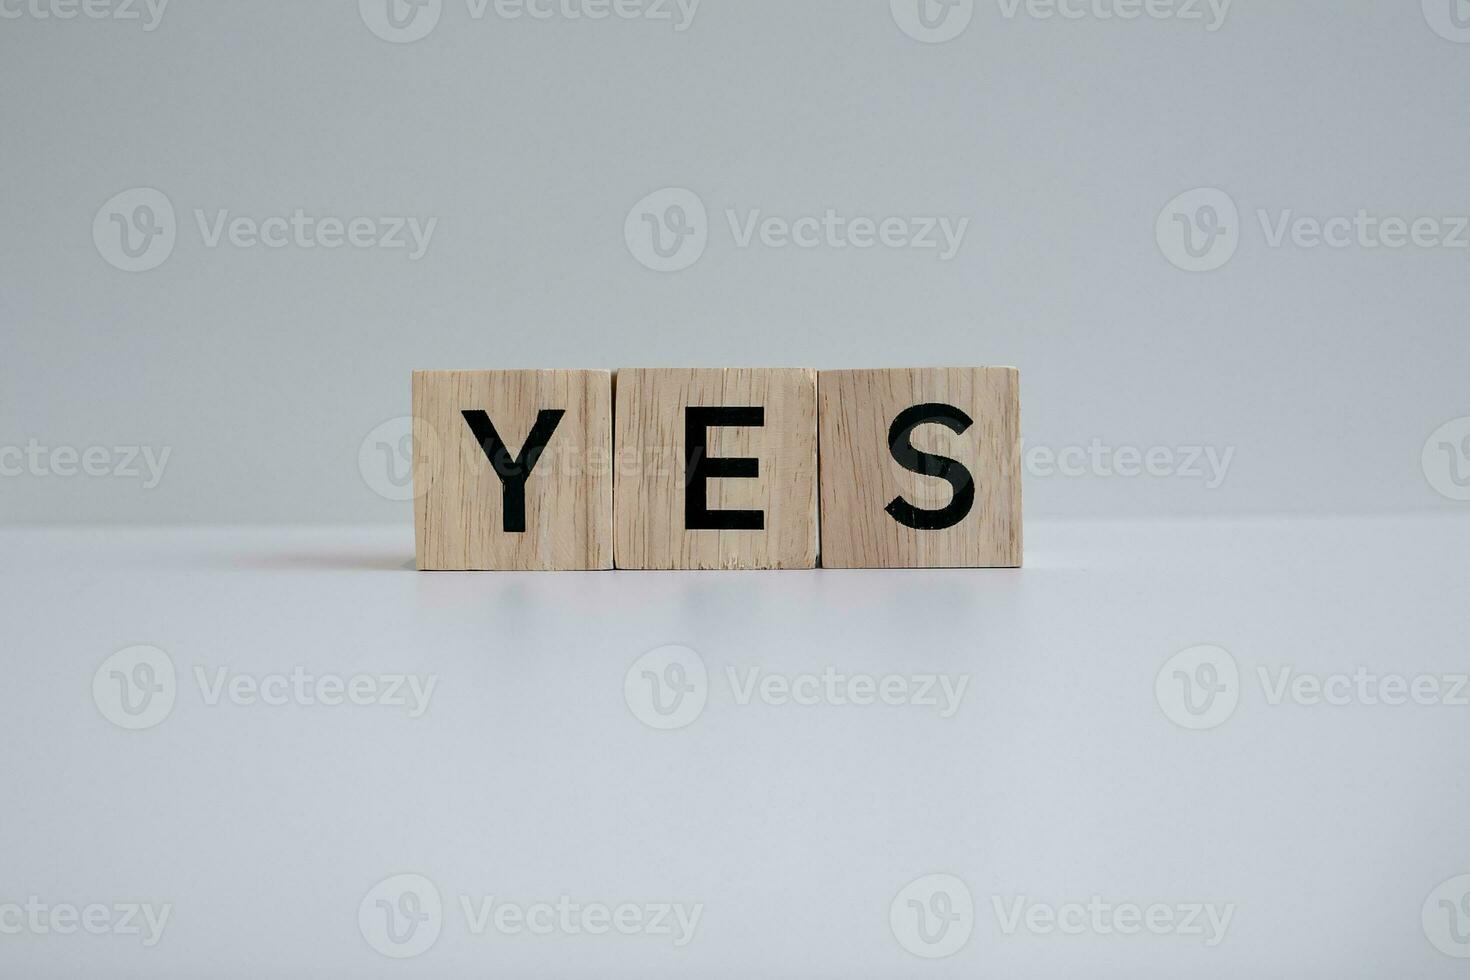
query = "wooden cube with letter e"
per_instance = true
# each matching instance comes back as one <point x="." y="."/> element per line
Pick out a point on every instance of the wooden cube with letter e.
<point x="716" y="468"/>
<point x="512" y="470"/>
<point x="921" y="468"/>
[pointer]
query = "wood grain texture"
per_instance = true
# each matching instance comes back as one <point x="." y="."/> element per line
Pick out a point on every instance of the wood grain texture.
<point x="860" y="476"/>
<point x="459" y="519"/>
<point x="652" y="484"/>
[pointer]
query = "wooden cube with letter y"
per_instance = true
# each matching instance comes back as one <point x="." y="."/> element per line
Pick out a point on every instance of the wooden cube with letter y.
<point x="512" y="470"/>
<point x="921" y="468"/>
<point x="716" y="468"/>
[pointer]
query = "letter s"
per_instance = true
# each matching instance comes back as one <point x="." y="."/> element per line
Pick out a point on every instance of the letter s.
<point x="928" y="464"/>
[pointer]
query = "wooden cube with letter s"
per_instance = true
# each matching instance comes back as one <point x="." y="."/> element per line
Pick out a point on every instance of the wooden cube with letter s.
<point x="512" y="470"/>
<point x="921" y="468"/>
<point x="716" y="468"/>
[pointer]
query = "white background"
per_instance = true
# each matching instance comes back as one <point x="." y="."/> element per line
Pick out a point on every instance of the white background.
<point x="1118" y="735"/>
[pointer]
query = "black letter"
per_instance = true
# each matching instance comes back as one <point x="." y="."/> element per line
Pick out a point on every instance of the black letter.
<point x="927" y="464"/>
<point x="513" y="472"/>
<point x="699" y="468"/>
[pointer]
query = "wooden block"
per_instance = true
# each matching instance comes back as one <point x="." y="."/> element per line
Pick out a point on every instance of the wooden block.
<point x="545" y="502"/>
<point x="921" y="468"/>
<point x="716" y="468"/>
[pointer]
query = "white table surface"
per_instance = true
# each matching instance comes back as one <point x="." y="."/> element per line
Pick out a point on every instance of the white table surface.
<point x="529" y="777"/>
